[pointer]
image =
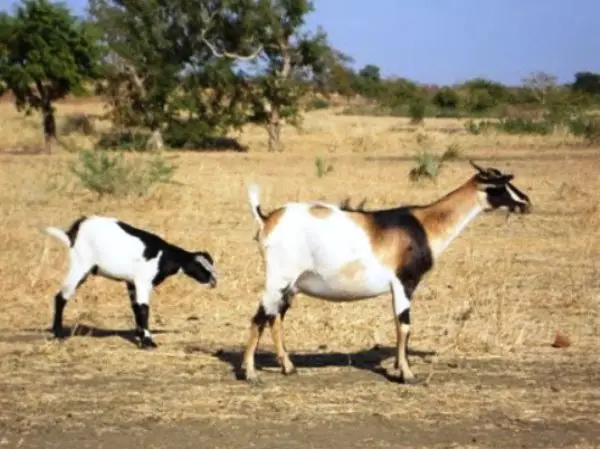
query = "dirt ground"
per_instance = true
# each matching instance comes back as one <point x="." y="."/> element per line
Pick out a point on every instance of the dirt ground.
<point x="490" y="308"/>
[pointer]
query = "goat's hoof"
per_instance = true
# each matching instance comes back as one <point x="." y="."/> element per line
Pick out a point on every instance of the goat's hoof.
<point x="254" y="381"/>
<point x="290" y="371"/>
<point x="411" y="380"/>
<point x="59" y="334"/>
<point x="147" y="343"/>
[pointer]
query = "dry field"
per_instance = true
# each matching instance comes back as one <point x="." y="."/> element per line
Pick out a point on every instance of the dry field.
<point x="490" y="308"/>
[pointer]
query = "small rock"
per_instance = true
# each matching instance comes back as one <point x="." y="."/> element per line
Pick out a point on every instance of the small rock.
<point x="561" y="340"/>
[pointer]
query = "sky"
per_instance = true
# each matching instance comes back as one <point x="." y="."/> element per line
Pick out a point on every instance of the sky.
<point x="450" y="41"/>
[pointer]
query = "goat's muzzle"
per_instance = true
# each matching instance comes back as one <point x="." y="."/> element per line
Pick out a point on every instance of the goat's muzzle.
<point x="213" y="282"/>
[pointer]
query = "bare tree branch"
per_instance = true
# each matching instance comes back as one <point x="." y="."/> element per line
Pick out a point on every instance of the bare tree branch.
<point x="235" y="56"/>
<point x="225" y="54"/>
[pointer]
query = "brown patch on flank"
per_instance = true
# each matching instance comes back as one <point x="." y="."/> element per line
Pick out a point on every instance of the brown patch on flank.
<point x="352" y="270"/>
<point x="319" y="211"/>
<point x="391" y="245"/>
<point x="271" y="221"/>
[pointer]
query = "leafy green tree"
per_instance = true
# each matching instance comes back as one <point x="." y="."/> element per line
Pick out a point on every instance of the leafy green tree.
<point x="587" y="83"/>
<point x="47" y="54"/>
<point x="290" y="56"/>
<point x="368" y="82"/>
<point x="446" y="98"/>
<point x="164" y="54"/>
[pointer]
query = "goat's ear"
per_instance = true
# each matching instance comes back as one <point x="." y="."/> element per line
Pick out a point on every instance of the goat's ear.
<point x="202" y="260"/>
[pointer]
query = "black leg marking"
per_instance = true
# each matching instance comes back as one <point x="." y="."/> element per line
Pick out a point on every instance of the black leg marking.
<point x="260" y="318"/>
<point x="404" y="317"/>
<point x="59" y="306"/>
<point x="144" y="334"/>
<point x="135" y="307"/>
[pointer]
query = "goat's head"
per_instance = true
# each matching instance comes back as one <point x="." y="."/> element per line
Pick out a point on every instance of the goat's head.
<point x="202" y="269"/>
<point x="496" y="190"/>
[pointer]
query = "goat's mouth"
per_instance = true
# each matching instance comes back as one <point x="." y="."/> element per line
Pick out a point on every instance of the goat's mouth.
<point x="213" y="282"/>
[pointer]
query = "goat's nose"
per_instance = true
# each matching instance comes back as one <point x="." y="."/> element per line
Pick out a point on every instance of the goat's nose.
<point x="213" y="282"/>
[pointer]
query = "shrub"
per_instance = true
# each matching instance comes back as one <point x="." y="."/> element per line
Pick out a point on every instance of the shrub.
<point x="587" y="127"/>
<point x="185" y="134"/>
<point x="127" y="140"/>
<point x="320" y="167"/>
<point x="428" y="164"/>
<point x="446" y="98"/>
<point x="110" y="174"/>
<point x="78" y="123"/>
<point x="416" y="111"/>
<point x="520" y="125"/>
<point x="318" y="103"/>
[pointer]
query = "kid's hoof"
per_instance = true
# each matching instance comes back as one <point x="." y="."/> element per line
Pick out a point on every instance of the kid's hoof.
<point x="147" y="343"/>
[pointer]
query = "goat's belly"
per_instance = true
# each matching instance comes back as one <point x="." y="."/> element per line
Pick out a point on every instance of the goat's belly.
<point x="341" y="288"/>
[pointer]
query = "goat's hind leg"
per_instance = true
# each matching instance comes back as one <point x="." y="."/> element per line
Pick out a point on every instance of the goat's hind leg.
<point x="402" y="318"/>
<point x="287" y="367"/>
<point x="273" y="304"/>
<point x="78" y="273"/>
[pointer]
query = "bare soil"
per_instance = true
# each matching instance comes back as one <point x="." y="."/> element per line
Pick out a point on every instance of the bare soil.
<point x="490" y="308"/>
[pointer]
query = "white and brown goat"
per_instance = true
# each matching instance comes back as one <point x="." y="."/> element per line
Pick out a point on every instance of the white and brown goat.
<point x="338" y="254"/>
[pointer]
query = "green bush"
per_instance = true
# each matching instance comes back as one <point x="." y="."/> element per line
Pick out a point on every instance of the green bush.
<point x="78" y="123"/>
<point x="127" y="140"/>
<point x="428" y="164"/>
<point x="108" y="173"/>
<point x="318" y="103"/>
<point x="185" y="134"/>
<point x="587" y="127"/>
<point x="520" y="125"/>
<point x="511" y="125"/>
<point x="416" y="111"/>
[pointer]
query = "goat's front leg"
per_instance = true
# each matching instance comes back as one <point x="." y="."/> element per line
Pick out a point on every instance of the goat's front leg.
<point x="402" y="319"/>
<point x="141" y="310"/>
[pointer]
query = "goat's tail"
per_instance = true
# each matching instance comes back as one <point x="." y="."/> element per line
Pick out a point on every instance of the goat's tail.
<point x="59" y="234"/>
<point x="254" y="198"/>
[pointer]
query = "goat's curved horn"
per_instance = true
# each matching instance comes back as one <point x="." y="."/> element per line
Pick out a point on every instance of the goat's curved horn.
<point x="476" y="167"/>
<point x="207" y="265"/>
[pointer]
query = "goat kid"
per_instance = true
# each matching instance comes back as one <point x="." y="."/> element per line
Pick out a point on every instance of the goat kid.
<point x="110" y="248"/>
<point x="339" y="254"/>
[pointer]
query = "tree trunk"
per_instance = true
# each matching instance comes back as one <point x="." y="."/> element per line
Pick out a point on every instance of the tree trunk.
<point x="274" y="125"/>
<point x="274" y="130"/>
<point x="49" y="126"/>
<point x="155" y="142"/>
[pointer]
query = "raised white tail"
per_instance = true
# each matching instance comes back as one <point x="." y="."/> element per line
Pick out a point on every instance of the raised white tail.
<point x="59" y="234"/>
<point x="254" y="198"/>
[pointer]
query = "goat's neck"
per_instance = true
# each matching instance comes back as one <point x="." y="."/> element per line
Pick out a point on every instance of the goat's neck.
<point x="447" y="217"/>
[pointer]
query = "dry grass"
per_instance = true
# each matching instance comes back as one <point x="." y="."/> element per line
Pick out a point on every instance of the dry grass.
<point x="490" y="308"/>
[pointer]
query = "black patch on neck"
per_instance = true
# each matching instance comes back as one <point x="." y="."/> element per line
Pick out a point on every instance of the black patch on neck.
<point x="153" y="243"/>
<point x="74" y="229"/>
<point x="419" y="259"/>
<point x="172" y="259"/>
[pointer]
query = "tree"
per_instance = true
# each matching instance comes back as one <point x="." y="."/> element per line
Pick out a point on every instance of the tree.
<point x="446" y="98"/>
<point x="5" y="33"/>
<point x="289" y="57"/>
<point x="164" y="54"/>
<point x="47" y="54"/>
<point x="368" y="82"/>
<point x="587" y="83"/>
<point x="541" y="86"/>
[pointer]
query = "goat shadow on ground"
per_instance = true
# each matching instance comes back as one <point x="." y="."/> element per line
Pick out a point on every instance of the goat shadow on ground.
<point x="368" y="359"/>
<point x="84" y="330"/>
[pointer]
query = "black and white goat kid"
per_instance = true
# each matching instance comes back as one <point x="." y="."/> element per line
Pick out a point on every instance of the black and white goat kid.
<point x="108" y="247"/>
